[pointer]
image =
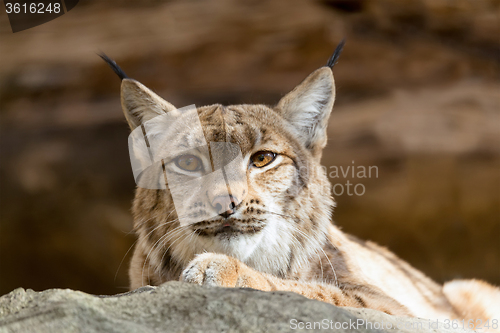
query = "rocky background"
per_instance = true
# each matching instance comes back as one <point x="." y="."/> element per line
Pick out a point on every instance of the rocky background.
<point x="183" y="307"/>
<point x="418" y="96"/>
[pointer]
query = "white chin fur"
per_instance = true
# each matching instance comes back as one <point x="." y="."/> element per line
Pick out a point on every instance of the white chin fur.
<point x="263" y="250"/>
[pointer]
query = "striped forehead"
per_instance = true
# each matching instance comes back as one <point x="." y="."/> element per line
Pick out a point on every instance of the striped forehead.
<point x="236" y="124"/>
<point x="248" y="126"/>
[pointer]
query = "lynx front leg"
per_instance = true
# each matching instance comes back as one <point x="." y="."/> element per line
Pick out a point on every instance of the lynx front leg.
<point x="221" y="270"/>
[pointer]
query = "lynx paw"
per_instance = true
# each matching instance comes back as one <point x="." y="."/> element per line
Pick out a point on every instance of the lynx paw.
<point x="220" y="270"/>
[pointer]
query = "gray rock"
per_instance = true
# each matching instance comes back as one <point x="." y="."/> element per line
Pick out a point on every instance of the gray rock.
<point x="181" y="307"/>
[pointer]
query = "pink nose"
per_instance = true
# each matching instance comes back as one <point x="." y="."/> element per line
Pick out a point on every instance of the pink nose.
<point x="225" y="205"/>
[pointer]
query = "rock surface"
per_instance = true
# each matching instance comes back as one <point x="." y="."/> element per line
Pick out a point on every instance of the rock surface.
<point x="181" y="307"/>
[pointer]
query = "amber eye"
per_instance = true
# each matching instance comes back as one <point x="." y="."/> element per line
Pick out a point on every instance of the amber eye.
<point x="262" y="158"/>
<point x="188" y="162"/>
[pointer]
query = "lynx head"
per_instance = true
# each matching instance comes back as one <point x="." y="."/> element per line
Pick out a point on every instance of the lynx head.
<point x="272" y="204"/>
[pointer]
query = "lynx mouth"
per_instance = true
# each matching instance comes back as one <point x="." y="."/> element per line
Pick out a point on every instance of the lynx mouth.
<point x="229" y="227"/>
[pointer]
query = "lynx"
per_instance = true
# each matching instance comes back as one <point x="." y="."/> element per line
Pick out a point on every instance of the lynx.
<point x="277" y="234"/>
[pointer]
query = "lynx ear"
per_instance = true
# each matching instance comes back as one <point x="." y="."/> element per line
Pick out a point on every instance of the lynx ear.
<point x="140" y="104"/>
<point x="308" y="107"/>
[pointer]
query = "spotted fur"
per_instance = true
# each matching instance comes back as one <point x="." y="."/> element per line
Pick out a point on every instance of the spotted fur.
<point x="279" y="235"/>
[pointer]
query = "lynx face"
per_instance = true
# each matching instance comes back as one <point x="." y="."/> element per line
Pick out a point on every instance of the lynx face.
<point x="273" y="218"/>
<point x="265" y="218"/>
<point x="283" y="205"/>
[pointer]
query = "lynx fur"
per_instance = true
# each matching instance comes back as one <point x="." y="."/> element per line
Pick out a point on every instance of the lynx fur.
<point x="279" y="235"/>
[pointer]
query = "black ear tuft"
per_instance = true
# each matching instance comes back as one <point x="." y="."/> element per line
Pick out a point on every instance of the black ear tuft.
<point x="114" y="66"/>
<point x="336" y="54"/>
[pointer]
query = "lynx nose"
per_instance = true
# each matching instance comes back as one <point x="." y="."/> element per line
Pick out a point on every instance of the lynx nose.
<point x="225" y="205"/>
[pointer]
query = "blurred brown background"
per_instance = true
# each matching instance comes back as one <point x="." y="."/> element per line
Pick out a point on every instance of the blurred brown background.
<point x="418" y="96"/>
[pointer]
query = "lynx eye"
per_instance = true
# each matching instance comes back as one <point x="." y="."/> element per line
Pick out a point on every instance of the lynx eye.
<point x="188" y="162"/>
<point x="262" y="158"/>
